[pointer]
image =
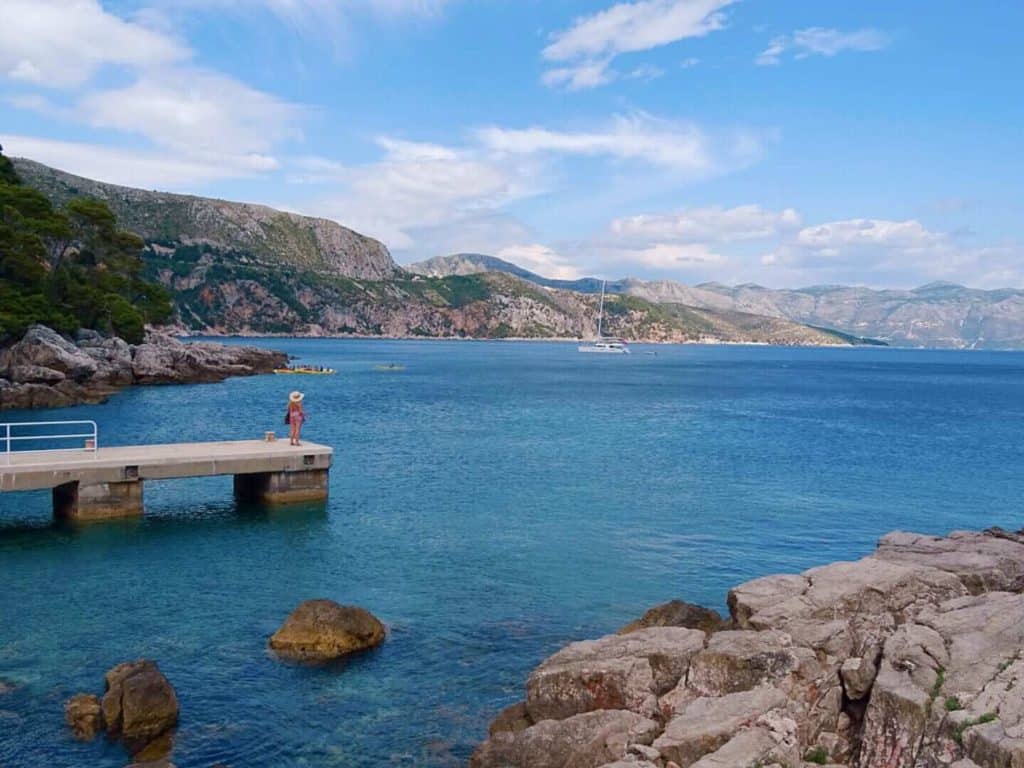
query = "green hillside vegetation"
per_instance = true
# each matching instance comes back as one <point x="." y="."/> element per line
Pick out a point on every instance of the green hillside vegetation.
<point x="70" y="268"/>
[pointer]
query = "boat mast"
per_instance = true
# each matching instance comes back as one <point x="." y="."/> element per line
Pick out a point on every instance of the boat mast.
<point x="600" y="312"/>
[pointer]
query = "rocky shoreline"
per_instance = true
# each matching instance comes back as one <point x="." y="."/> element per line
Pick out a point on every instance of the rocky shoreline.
<point x="46" y="370"/>
<point x="912" y="656"/>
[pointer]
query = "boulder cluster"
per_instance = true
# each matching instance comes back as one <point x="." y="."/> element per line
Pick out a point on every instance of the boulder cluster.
<point x="913" y="656"/>
<point x="139" y="708"/>
<point x="46" y="370"/>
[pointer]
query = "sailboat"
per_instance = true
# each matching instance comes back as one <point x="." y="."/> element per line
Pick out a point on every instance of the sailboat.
<point x="604" y="345"/>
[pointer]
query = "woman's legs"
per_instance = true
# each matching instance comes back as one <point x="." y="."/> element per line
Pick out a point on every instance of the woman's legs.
<point x="293" y="432"/>
<point x="298" y="432"/>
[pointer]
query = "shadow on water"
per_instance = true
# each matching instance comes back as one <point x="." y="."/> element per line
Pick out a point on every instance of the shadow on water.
<point x="207" y="518"/>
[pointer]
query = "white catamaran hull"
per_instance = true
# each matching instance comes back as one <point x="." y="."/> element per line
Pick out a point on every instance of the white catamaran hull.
<point x="602" y="350"/>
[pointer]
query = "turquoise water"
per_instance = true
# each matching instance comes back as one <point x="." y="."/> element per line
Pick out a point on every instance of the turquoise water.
<point x="490" y="502"/>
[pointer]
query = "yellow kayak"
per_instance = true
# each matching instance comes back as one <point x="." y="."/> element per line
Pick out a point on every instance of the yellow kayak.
<point x="306" y="371"/>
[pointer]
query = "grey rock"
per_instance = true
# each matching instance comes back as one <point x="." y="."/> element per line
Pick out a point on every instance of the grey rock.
<point x="738" y="660"/>
<point x="587" y="740"/>
<point x="858" y="675"/>
<point x="705" y="724"/>
<point x="984" y="562"/>
<point x="615" y="672"/>
<point x="45" y="348"/>
<point x="34" y="374"/>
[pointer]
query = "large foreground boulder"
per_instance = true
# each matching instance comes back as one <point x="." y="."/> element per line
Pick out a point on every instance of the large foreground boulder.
<point x="910" y="658"/>
<point x="322" y="630"/>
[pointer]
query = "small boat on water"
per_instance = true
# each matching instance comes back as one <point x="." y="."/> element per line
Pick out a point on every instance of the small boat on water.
<point x="605" y="345"/>
<point x="307" y="370"/>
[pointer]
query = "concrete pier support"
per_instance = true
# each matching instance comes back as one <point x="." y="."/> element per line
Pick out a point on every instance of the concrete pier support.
<point x="282" y="487"/>
<point x="86" y="502"/>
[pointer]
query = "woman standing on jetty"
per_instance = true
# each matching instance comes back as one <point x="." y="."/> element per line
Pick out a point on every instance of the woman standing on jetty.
<point x="295" y="417"/>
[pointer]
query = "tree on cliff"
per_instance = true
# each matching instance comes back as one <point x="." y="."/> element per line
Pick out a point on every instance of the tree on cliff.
<point x="70" y="269"/>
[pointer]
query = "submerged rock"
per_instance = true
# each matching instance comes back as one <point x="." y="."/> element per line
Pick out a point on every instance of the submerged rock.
<point x="911" y="657"/>
<point x="82" y="714"/>
<point x="322" y="630"/>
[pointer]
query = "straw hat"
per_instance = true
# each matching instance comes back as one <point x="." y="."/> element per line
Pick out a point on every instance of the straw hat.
<point x="296" y="397"/>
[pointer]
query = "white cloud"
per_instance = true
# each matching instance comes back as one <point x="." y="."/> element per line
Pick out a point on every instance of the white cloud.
<point x="418" y="186"/>
<point x="422" y="198"/>
<point x="589" y="74"/>
<point x="821" y="41"/>
<point x="64" y="43"/>
<point x="669" y="257"/>
<point x="592" y="42"/>
<point x="680" y="147"/>
<point x="540" y="259"/>
<point x="131" y="168"/>
<point x="216" y="126"/>
<point x="193" y="111"/>
<point x="835" y="236"/>
<point x="711" y="224"/>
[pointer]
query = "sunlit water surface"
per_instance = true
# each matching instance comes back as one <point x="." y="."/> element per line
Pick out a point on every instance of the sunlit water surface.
<point x="490" y="502"/>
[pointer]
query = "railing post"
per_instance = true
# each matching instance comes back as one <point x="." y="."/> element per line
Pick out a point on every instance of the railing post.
<point x="8" y="441"/>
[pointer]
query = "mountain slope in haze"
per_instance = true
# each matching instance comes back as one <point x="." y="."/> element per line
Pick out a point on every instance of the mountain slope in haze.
<point x="478" y="263"/>
<point x="262" y="233"/>
<point x="934" y="315"/>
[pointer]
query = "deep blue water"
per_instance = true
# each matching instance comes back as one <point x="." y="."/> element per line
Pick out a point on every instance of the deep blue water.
<point x="490" y="503"/>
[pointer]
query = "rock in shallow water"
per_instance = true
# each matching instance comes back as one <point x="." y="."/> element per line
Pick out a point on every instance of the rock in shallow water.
<point x="140" y="707"/>
<point x="323" y="630"/>
<point x="82" y="714"/>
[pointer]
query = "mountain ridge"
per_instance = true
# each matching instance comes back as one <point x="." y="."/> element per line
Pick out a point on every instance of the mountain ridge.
<point x="244" y="269"/>
<point x="937" y="314"/>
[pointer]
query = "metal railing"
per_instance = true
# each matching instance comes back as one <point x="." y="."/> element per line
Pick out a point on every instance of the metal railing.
<point x="8" y="437"/>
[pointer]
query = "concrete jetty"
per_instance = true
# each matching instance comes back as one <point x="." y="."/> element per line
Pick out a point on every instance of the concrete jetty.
<point x="107" y="483"/>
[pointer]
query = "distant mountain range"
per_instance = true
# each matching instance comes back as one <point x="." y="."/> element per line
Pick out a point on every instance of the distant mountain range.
<point x="238" y="268"/>
<point x="934" y="315"/>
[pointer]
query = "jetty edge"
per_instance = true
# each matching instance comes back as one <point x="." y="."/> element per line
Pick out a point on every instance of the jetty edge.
<point x="107" y="483"/>
<point x="911" y="656"/>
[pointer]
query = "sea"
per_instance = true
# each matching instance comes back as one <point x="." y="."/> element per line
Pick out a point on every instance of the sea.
<point x="490" y="502"/>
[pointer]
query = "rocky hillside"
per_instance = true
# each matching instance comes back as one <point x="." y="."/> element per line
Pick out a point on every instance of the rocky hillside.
<point x="934" y="315"/>
<point x="258" y="236"/>
<point x="234" y="268"/>
<point x="911" y="657"/>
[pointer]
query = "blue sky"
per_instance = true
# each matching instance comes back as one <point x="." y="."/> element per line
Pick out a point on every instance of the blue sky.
<point x="784" y="143"/>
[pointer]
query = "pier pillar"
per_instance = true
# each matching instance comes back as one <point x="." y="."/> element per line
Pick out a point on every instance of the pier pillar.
<point x="282" y="487"/>
<point x="85" y="502"/>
